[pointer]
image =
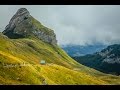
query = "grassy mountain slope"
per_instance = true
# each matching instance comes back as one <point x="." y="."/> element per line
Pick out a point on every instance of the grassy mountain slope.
<point x="60" y="68"/>
<point x="31" y="42"/>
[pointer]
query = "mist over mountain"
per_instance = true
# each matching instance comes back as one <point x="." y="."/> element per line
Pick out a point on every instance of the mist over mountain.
<point x="30" y="53"/>
<point x="78" y="50"/>
<point x="79" y="25"/>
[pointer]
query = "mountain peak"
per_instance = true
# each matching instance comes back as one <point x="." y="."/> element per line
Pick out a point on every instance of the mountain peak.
<point x="23" y="25"/>
<point x="22" y="10"/>
<point x="19" y="16"/>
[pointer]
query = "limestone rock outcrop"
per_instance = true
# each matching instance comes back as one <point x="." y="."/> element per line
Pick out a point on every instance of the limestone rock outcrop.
<point x="23" y="25"/>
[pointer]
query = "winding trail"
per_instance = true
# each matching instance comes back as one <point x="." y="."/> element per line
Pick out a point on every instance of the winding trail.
<point x="15" y="65"/>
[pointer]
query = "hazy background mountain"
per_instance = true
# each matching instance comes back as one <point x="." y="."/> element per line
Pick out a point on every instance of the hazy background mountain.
<point x="106" y="60"/>
<point x="78" y="50"/>
<point x="25" y="42"/>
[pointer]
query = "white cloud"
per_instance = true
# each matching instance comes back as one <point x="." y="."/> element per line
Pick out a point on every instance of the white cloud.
<point x="82" y="24"/>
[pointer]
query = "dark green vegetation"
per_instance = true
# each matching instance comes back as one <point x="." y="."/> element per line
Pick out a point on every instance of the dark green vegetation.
<point x="20" y="57"/>
<point x="106" y="61"/>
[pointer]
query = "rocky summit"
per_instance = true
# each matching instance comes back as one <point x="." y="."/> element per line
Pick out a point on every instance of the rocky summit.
<point x="23" y="25"/>
<point x="26" y="43"/>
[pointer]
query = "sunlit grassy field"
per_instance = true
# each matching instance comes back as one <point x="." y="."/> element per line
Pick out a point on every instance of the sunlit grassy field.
<point x="59" y="69"/>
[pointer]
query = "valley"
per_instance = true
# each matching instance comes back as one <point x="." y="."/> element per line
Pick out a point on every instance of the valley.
<point x="25" y="42"/>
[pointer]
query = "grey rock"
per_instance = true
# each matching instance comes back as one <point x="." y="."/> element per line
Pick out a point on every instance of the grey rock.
<point x="20" y="15"/>
<point x="22" y="25"/>
<point x="112" y="60"/>
<point x="103" y="54"/>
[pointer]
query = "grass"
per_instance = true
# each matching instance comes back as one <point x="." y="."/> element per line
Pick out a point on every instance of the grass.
<point x="41" y="27"/>
<point x="59" y="70"/>
<point x="64" y="76"/>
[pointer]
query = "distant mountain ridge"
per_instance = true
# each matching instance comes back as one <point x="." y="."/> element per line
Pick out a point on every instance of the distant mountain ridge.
<point x="107" y="60"/>
<point x="25" y="42"/>
<point x="78" y="50"/>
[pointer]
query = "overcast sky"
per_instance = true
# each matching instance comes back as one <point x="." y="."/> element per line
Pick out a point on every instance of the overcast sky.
<point x="80" y="24"/>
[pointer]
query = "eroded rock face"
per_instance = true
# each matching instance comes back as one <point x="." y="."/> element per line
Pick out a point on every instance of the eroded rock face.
<point x="22" y="25"/>
<point x="112" y="60"/>
<point x="20" y="15"/>
<point x="111" y="54"/>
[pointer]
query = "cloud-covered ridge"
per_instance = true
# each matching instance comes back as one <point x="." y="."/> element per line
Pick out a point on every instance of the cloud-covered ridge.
<point x="80" y="25"/>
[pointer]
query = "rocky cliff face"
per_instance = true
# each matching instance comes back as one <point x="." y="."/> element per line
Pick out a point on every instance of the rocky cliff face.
<point x="23" y="25"/>
<point x="107" y="60"/>
<point x="111" y="54"/>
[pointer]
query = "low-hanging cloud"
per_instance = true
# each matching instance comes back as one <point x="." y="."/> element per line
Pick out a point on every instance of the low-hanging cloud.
<point x="80" y="25"/>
